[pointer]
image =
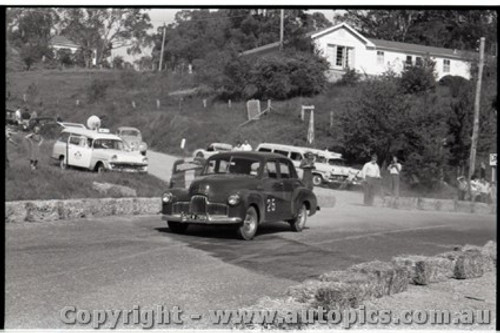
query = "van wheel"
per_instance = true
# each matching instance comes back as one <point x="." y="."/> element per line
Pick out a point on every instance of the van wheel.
<point x="62" y="163"/>
<point x="177" y="227"/>
<point x="317" y="180"/>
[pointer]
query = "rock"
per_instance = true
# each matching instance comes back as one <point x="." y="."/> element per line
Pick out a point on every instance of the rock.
<point x="114" y="190"/>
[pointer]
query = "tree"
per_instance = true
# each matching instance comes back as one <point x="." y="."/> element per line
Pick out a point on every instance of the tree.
<point x="100" y="30"/>
<point x="30" y="30"/>
<point x="419" y="78"/>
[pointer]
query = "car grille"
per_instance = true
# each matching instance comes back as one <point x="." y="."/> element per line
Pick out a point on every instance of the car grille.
<point x="199" y="205"/>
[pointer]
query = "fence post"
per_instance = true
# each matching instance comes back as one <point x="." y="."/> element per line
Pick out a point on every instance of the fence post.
<point x="205" y="103"/>
<point x="133" y="104"/>
<point x="24" y="98"/>
<point x="77" y="102"/>
<point x="158" y="104"/>
<point x="229" y="103"/>
<point x="331" y="119"/>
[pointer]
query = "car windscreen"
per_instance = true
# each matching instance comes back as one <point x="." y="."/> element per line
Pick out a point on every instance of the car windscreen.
<point x="232" y="165"/>
<point x="109" y="144"/>
<point x="129" y="133"/>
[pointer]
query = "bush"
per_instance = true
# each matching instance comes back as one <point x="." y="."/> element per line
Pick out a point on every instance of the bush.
<point x="350" y="78"/>
<point x="419" y="79"/>
<point x="97" y="90"/>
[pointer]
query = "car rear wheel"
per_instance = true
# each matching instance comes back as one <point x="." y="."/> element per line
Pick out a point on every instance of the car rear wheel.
<point x="249" y="227"/>
<point x="317" y="180"/>
<point x="62" y="163"/>
<point x="299" y="222"/>
<point x="199" y="154"/>
<point x="177" y="227"/>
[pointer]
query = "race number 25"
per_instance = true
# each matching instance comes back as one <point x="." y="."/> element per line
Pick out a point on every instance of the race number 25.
<point x="270" y="205"/>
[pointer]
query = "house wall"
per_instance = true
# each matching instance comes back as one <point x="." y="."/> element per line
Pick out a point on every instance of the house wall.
<point x="365" y="60"/>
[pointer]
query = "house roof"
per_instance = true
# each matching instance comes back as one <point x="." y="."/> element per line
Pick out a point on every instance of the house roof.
<point x="418" y="49"/>
<point x="63" y="41"/>
<point x="377" y="44"/>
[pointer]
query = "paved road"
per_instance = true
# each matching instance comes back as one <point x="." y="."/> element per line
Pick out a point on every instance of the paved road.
<point x="120" y="262"/>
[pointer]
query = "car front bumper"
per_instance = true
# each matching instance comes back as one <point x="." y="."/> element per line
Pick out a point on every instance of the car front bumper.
<point x="201" y="219"/>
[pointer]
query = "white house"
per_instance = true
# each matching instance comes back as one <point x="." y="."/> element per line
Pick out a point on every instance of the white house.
<point x="345" y="48"/>
<point x="60" y="42"/>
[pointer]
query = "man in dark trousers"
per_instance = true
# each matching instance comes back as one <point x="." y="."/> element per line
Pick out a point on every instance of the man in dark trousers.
<point x="371" y="176"/>
<point x="307" y="165"/>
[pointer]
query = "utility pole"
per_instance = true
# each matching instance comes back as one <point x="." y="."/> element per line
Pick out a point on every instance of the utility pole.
<point x="162" y="48"/>
<point x="282" y="25"/>
<point x="475" y="128"/>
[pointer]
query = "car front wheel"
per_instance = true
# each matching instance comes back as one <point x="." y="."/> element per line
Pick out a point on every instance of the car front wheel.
<point x="317" y="180"/>
<point x="177" y="227"/>
<point x="249" y="227"/>
<point x="299" y="222"/>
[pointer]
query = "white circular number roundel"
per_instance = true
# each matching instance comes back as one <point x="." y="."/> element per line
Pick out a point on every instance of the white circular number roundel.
<point x="93" y="122"/>
<point x="271" y="205"/>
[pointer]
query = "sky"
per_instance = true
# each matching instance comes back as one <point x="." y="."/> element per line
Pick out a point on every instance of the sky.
<point x="164" y="15"/>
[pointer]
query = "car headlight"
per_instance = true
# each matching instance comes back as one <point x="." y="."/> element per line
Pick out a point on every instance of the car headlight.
<point x="145" y="160"/>
<point x="167" y="197"/>
<point x="114" y="158"/>
<point x="143" y="146"/>
<point x="233" y="199"/>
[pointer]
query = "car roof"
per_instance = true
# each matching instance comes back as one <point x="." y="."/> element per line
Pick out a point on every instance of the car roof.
<point x="251" y="154"/>
<point x="324" y="153"/>
<point x="90" y="133"/>
<point x="127" y="128"/>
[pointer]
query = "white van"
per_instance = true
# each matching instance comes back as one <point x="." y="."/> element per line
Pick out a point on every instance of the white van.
<point x="330" y="167"/>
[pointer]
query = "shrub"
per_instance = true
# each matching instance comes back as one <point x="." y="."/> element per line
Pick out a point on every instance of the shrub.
<point x="97" y="90"/>
<point x="419" y="79"/>
<point x="350" y="77"/>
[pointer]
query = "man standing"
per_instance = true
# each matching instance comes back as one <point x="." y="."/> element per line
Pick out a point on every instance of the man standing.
<point x="307" y="165"/>
<point x="246" y="146"/>
<point x="371" y="175"/>
<point x="394" y="169"/>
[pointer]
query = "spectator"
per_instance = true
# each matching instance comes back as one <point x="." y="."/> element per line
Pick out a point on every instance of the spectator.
<point x="475" y="188"/>
<point x="8" y="138"/>
<point x="371" y="176"/>
<point x="238" y="146"/>
<point x="462" y="187"/>
<point x="35" y="140"/>
<point x="307" y="165"/>
<point x="484" y="190"/>
<point x="394" y="169"/>
<point x="246" y="146"/>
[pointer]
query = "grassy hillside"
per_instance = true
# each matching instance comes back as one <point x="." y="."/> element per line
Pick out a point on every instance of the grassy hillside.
<point x="111" y="94"/>
<point x="50" y="182"/>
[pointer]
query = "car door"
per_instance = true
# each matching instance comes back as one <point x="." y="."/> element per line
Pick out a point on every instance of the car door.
<point x="290" y="182"/>
<point x="79" y="153"/>
<point x="272" y="188"/>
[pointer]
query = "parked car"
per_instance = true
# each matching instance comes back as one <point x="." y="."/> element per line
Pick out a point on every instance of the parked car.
<point x="96" y="151"/>
<point x="329" y="166"/>
<point x="10" y="117"/>
<point x="184" y="171"/>
<point x="244" y="189"/>
<point x="133" y="137"/>
<point x="212" y="149"/>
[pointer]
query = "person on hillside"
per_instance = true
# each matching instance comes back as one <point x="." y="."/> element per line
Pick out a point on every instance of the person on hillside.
<point x="307" y="165"/>
<point x="462" y="187"/>
<point x="246" y="146"/>
<point x="35" y="140"/>
<point x="484" y="191"/>
<point x="395" y="170"/>
<point x="371" y="176"/>
<point x="8" y="139"/>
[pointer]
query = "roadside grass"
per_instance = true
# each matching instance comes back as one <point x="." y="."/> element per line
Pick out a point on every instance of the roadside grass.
<point x="50" y="182"/>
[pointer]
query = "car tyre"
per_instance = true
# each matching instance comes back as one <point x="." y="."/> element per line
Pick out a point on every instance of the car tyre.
<point x="248" y="228"/>
<point x="177" y="227"/>
<point x="299" y="222"/>
<point x="100" y="168"/>
<point x="62" y="163"/>
<point x="199" y="154"/>
<point x="317" y="180"/>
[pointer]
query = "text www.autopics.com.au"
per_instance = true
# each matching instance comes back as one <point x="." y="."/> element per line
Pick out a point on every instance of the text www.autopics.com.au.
<point x="161" y="315"/>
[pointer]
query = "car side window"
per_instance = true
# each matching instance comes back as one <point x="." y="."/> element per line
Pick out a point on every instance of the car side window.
<point x="63" y="137"/>
<point x="265" y="150"/>
<point x="285" y="170"/>
<point x="74" y="140"/>
<point x="294" y="156"/>
<point x="281" y="152"/>
<point x="270" y="169"/>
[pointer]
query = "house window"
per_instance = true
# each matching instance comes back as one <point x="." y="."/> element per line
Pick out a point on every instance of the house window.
<point x="419" y="61"/>
<point x="446" y="65"/>
<point x="380" y="57"/>
<point x="409" y="61"/>
<point x="341" y="57"/>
